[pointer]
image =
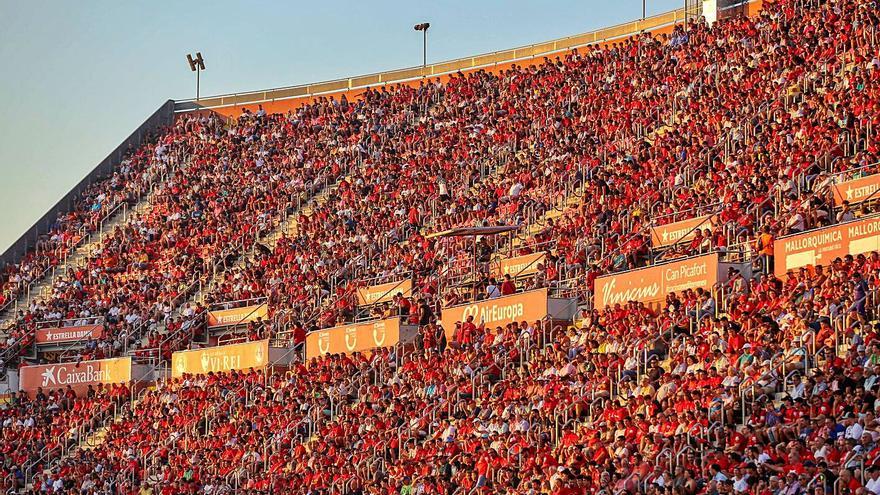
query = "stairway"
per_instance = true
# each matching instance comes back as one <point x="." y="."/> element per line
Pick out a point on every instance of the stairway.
<point x="286" y="226"/>
<point x="80" y="254"/>
<point x="43" y="287"/>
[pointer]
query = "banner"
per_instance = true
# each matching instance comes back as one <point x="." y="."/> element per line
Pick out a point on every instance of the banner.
<point x="235" y="316"/>
<point x="69" y="334"/>
<point x="518" y="266"/>
<point x="650" y="285"/>
<point x="857" y="190"/>
<point x="357" y="337"/>
<point x="375" y="294"/>
<point x="822" y="246"/>
<point x="221" y="358"/>
<point x="524" y="306"/>
<point x="78" y="375"/>
<point x="683" y="231"/>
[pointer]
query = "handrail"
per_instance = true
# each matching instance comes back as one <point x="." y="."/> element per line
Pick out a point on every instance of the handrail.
<point x="219" y="306"/>
<point x="70" y="322"/>
<point x="180" y="157"/>
<point x="663" y="249"/>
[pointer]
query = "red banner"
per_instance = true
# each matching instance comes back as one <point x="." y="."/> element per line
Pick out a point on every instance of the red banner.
<point x="857" y="190"/>
<point x="69" y="334"/>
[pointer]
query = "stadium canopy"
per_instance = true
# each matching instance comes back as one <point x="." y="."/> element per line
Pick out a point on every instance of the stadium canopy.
<point x="473" y="231"/>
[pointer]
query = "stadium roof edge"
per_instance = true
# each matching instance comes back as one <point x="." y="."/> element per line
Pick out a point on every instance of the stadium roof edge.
<point x="485" y="60"/>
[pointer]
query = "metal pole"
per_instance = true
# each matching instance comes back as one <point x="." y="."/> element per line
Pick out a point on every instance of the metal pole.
<point x="644" y="15"/>
<point x="425" y="48"/>
<point x="198" y="71"/>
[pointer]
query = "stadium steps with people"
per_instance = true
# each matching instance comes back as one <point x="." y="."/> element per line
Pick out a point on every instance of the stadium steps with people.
<point x="286" y="226"/>
<point x="82" y="253"/>
<point x="43" y="287"/>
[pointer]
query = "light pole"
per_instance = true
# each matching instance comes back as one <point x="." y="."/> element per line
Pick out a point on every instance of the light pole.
<point x="196" y="65"/>
<point x="644" y="12"/>
<point x="423" y="27"/>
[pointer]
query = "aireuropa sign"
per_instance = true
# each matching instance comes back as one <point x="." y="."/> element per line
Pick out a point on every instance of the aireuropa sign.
<point x="650" y="285"/>
<point x="524" y="306"/>
<point x="822" y="246"/>
<point x="77" y="375"/>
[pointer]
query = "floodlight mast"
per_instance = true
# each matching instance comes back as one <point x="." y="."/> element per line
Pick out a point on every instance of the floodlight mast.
<point x="196" y="65"/>
<point x="423" y="27"/>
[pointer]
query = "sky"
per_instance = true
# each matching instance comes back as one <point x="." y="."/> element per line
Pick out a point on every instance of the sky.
<point x="79" y="77"/>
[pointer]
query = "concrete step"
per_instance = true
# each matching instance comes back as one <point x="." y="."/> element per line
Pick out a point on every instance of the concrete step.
<point x="288" y="226"/>
<point x="95" y="439"/>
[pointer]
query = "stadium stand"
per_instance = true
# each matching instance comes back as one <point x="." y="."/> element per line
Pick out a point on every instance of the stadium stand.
<point x="698" y="203"/>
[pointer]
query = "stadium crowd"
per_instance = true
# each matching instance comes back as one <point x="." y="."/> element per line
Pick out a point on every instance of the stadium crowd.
<point x="627" y="399"/>
<point x="747" y="120"/>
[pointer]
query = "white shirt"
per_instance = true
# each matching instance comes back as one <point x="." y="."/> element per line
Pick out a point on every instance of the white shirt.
<point x="492" y="291"/>
<point x="854" y="431"/>
<point x="516" y="189"/>
<point x="873" y="485"/>
<point x="741" y="484"/>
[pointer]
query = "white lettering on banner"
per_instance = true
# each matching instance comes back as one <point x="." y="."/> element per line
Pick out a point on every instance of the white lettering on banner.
<point x="379" y="333"/>
<point x="220" y="363"/>
<point x="233" y="318"/>
<point x="324" y="342"/>
<point x="864" y="229"/>
<point x="860" y="192"/>
<point x="493" y="313"/>
<point x="685" y="271"/>
<point x="813" y="241"/>
<point x="516" y="269"/>
<point x="60" y="375"/>
<point x="72" y="335"/>
<point x="351" y="338"/>
<point x="675" y="235"/>
<point x="609" y="297"/>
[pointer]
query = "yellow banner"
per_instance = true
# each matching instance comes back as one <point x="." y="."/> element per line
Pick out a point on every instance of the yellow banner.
<point x="525" y="306"/>
<point x="682" y="231"/>
<point x="358" y="337"/>
<point x="822" y="246"/>
<point x="651" y="284"/>
<point x="235" y="316"/>
<point x="78" y="375"/>
<point x="221" y="358"/>
<point x="375" y="294"/>
<point x="519" y="266"/>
